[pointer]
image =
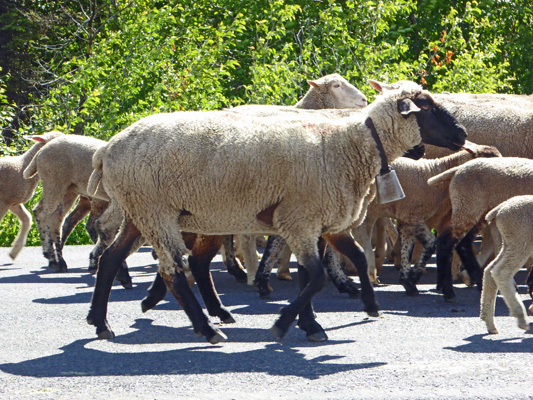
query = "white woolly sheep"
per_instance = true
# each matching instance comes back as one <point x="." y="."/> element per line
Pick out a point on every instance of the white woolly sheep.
<point x="63" y="168"/>
<point x="15" y="190"/>
<point x="511" y="223"/>
<point x="298" y="177"/>
<point x="475" y="188"/>
<point x="421" y="202"/>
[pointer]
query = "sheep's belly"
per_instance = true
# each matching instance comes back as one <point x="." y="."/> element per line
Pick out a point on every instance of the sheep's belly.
<point x="222" y="226"/>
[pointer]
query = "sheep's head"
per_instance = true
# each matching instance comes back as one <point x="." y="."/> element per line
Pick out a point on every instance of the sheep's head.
<point x="343" y="94"/>
<point x="437" y="125"/>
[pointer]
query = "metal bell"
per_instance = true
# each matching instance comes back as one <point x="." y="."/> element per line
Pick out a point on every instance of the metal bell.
<point x="388" y="188"/>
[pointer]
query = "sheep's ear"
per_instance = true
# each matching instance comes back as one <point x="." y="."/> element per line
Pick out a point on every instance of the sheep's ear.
<point x="377" y="85"/>
<point x="35" y="138"/>
<point x="313" y="83"/>
<point x="407" y="106"/>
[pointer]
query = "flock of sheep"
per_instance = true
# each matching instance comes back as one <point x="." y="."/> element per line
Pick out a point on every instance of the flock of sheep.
<point x="305" y="175"/>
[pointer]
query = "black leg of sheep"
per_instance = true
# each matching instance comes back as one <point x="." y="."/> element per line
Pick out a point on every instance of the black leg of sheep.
<point x="109" y="265"/>
<point x="312" y="278"/>
<point x="445" y="246"/>
<point x="346" y="245"/>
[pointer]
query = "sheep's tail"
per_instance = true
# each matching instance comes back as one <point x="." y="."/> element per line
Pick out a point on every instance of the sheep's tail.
<point x="492" y="213"/>
<point x="443" y="177"/>
<point x="96" y="176"/>
<point x="31" y="169"/>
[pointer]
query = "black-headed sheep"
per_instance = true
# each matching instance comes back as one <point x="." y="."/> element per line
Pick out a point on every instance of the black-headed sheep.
<point x="222" y="173"/>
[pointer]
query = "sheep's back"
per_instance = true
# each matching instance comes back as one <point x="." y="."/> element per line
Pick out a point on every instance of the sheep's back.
<point x="218" y="169"/>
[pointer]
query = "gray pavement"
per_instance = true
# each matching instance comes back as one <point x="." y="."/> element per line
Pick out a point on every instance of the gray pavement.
<point x="419" y="348"/>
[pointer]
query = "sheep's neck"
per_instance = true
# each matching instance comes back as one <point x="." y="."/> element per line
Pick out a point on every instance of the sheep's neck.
<point x="385" y="169"/>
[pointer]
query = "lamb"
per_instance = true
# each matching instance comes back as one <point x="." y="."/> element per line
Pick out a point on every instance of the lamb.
<point x="421" y="203"/>
<point x="63" y="166"/>
<point x="15" y="190"/>
<point x="474" y="189"/>
<point x="298" y="177"/>
<point x="512" y="222"/>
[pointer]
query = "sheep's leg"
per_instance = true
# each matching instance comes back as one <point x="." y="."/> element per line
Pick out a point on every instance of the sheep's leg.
<point x="428" y="241"/>
<point x="25" y="225"/>
<point x="203" y="251"/>
<point x="74" y="218"/>
<point x="407" y="242"/>
<point x="343" y="283"/>
<point x="109" y="264"/>
<point x="249" y="253"/>
<point x="363" y="236"/>
<point x="529" y="282"/>
<point x="107" y="226"/>
<point x="273" y="249"/>
<point x="230" y="260"/>
<point x="156" y="292"/>
<point x="283" y="273"/>
<point x="307" y="319"/>
<point x="55" y="222"/>
<point x="379" y="237"/>
<point x="313" y="279"/>
<point x="510" y="260"/>
<point x="345" y="244"/>
<point x="488" y="299"/>
<point x="446" y="244"/>
<point x="468" y="258"/>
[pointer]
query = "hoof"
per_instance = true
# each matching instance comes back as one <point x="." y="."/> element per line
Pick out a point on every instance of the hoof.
<point x="277" y="332"/>
<point x="147" y="304"/>
<point x="452" y="299"/>
<point x="493" y="331"/>
<point x="238" y="274"/>
<point x="410" y="289"/>
<point x="284" y="276"/>
<point x="218" y="337"/>
<point x="317" y="337"/>
<point x="524" y="325"/>
<point x="92" y="270"/>
<point x="127" y="284"/>
<point x="58" y="266"/>
<point x="349" y="287"/>
<point x="530" y="309"/>
<point x="107" y="334"/>
<point x="228" y="320"/>
<point x="374" y="314"/>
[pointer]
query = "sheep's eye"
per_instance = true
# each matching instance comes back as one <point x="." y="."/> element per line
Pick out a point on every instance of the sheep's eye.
<point x="337" y="85"/>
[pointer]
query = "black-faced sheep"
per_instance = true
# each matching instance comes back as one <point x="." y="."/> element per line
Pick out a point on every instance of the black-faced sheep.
<point x="512" y="222"/>
<point x="300" y="178"/>
<point x="15" y="190"/>
<point x="474" y="189"/>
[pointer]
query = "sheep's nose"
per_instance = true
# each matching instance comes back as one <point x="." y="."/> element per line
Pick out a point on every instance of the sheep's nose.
<point x="364" y="100"/>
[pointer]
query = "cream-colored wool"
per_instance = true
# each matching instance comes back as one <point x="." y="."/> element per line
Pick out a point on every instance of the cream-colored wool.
<point x="64" y="167"/>
<point x="168" y="172"/>
<point x="512" y="221"/>
<point x="15" y="190"/>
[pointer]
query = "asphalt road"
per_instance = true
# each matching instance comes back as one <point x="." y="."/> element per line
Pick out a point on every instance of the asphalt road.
<point x="419" y="348"/>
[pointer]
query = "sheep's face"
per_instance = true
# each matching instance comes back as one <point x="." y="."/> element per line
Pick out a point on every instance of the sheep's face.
<point x="343" y="93"/>
<point x="437" y="125"/>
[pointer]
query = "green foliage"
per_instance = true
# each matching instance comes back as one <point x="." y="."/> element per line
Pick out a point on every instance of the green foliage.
<point x="94" y="68"/>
